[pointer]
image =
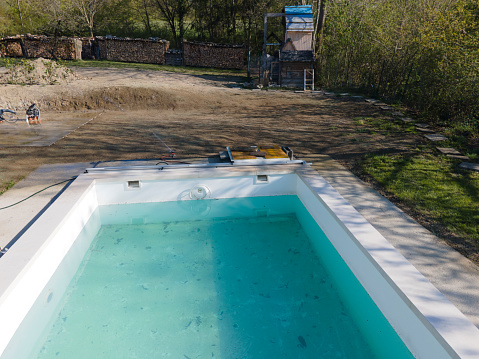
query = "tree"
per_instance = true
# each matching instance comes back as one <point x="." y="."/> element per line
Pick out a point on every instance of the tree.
<point x="144" y="9"/>
<point x="19" y="7"/>
<point x="88" y="10"/>
<point x="175" y="13"/>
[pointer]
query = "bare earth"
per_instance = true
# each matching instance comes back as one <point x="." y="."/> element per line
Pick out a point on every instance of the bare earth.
<point x="120" y="113"/>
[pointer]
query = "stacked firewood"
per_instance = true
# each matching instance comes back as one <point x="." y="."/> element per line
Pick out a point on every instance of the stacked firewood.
<point x="214" y="55"/>
<point x="65" y="48"/>
<point x="32" y="46"/>
<point x="10" y="47"/>
<point x="132" y="50"/>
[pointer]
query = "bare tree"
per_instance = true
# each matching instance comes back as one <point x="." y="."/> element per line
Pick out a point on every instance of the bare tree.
<point x="88" y="10"/>
<point x="18" y="5"/>
<point x="143" y="7"/>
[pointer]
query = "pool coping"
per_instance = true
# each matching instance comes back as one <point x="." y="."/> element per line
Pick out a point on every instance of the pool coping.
<point x="335" y="200"/>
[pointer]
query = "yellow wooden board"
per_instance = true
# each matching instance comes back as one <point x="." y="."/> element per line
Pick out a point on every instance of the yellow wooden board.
<point x="272" y="152"/>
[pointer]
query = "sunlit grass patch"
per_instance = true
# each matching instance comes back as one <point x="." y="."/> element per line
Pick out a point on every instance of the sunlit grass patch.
<point x="434" y="186"/>
<point x="4" y="187"/>
<point x="382" y="124"/>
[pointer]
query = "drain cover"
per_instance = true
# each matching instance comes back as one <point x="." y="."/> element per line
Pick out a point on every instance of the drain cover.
<point x="200" y="191"/>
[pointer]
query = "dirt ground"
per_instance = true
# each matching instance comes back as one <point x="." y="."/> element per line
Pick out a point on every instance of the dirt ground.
<point x="120" y="114"/>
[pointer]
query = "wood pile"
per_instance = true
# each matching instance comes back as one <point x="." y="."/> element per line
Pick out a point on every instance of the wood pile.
<point x="150" y="51"/>
<point x="10" y="47"/>
<point x="214" y="55"/>
<point x="41" y="46"/>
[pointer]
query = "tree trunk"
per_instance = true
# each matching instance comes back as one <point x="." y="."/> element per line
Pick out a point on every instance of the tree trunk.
<point x="249" y="49"/>
<point x="170" y="18"/>
<point x="20" y="15"/>
<point x="147" y="18"/>
<point x="233" y="20"/>
<point x="322" y="12"/>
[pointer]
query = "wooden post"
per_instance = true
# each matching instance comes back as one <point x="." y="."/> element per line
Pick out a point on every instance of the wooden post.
<point x="304" y="80"/>
<point x="263" y="57"/>
<point x="265" y="39"/>
<point x="312" y="83"/>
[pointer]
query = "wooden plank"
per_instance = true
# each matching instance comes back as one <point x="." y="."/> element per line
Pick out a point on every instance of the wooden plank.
<point x="301" y="40"/>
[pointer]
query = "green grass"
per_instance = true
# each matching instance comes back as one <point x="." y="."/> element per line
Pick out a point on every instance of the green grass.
<point x="434" y="186"/>
<point x="155" y="67"/>
<point x="372" y="126"/>
<point x="199" y="71"/>
<point x="4" y="187"/>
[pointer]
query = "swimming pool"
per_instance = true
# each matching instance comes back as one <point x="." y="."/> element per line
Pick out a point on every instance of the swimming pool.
<point x="427" y="323"/>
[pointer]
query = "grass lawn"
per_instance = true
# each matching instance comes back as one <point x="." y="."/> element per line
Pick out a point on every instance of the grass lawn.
<point x="155" y="67"/>
<point x="434" y="187"/>
<point x="239" y="75"/>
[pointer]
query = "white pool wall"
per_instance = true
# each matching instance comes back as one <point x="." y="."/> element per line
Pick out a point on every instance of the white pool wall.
<point x="29" y="265"/>
<point x="428" y="323"/>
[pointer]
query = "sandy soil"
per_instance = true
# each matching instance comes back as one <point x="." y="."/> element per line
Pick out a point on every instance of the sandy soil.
<point x="195" y="115"/>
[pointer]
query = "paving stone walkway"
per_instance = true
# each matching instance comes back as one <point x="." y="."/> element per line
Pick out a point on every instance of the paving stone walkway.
<point x="429" y="134"/>
<point x="436" y="137"/>
<point x="470" y="166"/>
<point x="424" y="130"/>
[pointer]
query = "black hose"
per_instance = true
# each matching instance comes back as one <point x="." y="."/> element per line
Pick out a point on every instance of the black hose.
<point x="23" y="200"/>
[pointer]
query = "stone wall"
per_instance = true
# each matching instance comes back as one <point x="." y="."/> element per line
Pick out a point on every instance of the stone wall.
<point x="214" y="55"/>
<point x="150" y="51"/>
<point x="41" y="46"/>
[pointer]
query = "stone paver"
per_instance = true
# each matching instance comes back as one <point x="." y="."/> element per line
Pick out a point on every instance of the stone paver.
<point x="422" y="125"/>
<point x="436" y="137"/>
<point x="470" y="166"/>
<point x="371" y="100"/>
<point x="448" y="150"/>
<point x="397" y="113"/>
<point x="459" y="157"/>
<point x="386" y="108"/>
<point x="407" y="119"/>
<point x="426" y="130"/>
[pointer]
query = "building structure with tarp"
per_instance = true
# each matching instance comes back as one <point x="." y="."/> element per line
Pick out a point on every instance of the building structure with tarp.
<point x="293" y="64"/>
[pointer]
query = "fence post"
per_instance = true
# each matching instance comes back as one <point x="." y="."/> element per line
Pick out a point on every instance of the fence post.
<point x="304" y="80"/>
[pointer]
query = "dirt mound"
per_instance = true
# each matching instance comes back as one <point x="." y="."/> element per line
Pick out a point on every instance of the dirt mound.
<point x="114" y="98"/>
<point x="38" y="72"/>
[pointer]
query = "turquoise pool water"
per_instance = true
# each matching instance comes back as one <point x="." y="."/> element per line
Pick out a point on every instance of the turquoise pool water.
<point x="233" y="278"/>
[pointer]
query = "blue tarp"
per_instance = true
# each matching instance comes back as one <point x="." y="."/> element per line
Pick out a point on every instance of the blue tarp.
<point x="299" y="18"/>
<point x="298" y="10"/>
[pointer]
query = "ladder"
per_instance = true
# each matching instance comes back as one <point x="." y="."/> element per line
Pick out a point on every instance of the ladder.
<point x="308" y="79"/>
